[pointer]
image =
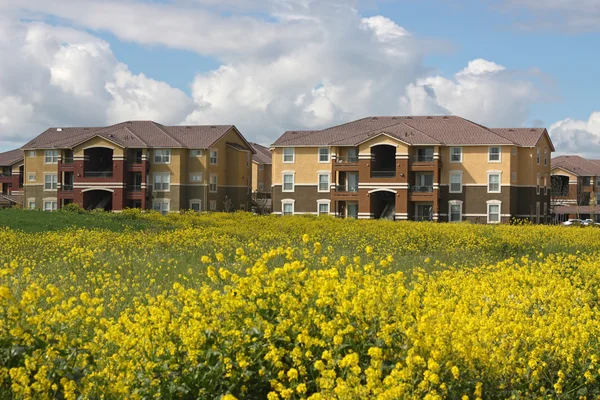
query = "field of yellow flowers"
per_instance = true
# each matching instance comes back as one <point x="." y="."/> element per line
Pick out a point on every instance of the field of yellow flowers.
<point x="224" y="306"/>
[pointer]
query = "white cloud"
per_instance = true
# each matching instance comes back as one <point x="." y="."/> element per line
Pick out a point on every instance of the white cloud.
<point x="576" y="136"/>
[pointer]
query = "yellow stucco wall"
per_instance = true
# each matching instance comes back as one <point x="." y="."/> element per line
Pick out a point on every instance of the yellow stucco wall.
<point x="38" y="166"/>
<point x="78" y="151"/>
<point x="475" y="164"/>
<point x="306" y="165"/>
<point x="365" y="148"/>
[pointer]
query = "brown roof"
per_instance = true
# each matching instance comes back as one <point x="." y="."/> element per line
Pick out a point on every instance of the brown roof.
<point x="576" y="209"/>
<point x="442" y="130"/>
<point x="525" y="137"/>
<point x="11" y="157"/>
<point x="577" y="165"/>
<point x="263" y="155"/>
<point x="133" y="134"/>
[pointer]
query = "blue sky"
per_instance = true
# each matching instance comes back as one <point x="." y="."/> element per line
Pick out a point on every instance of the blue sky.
<point x="268" y="66"/>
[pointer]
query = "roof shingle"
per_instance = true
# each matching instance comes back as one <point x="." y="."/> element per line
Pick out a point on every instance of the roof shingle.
<point x="11" y="157"/>
<point x="263" y="155"/>
<point x="577" y="165"/>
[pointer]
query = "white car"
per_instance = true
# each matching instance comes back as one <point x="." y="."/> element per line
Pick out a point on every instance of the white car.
<point x="589" y="222"/>
<point x="572" y="222"/>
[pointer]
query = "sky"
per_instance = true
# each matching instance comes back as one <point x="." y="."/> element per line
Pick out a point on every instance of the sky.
<point x="268" y="66"/>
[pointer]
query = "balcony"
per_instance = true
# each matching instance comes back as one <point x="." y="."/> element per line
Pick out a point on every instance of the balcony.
<point x="68" y="161"/>
<point x="347" y="188"/>
<point x="383" y="174"/>
<point x="421" y="189"/>
<point x="97" y="174"/>
<point x="136" y="188"/>
<point x="66" y="188"/>
<point x="347" y="160"/>
<point x="422" y="158"/>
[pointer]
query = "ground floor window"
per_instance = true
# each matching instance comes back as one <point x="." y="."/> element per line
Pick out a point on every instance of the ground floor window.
<point x="455" y="211"/>
<point x="493" y="215"/>
<point x="287" y="208"/>
<point x="424" y="212"/>
<point x="196" y="205"/>
<point x="50" y="205"/>
<point x="212" y="205"/>
<point x="352" y="210"/>
<point x="161" y="205"/>
<point x="31" y="204"/>
<point x="323" y="208"/>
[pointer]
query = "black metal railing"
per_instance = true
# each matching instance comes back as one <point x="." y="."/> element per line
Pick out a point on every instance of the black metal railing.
<point x="421" y="189"/>
<point x="347" y="159"/>
<point x="97" y="174"/>
<point x="422" y="158"/>
<point x="421" y="218"/>
<point x="5" y="174"/>
<point x="136" y="188"/>
<point x="383" y="174"/>
<point x="66" y="188"/>
<point x="68" y="160"/>
<point x="346" y="188"/>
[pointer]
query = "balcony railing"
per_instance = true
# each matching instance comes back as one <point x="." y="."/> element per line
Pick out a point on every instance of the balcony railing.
<point x="346" y="188"/>
<point x="347" y="160"/>
<point x="421" y="189"/>
<point x="5" y="174"/>
<point x="421" y="218"/>
<point x="383" y="174"/>
<point x="66" y="188"/>
<point x="68" y="160"/>
<point x="136" y="188"/>
<point x="422" y="158"/>
<point x="97" y="174"/>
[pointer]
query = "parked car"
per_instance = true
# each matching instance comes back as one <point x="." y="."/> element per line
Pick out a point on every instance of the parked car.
<point x="572" y="222"/>
<point x="590" y="222"/>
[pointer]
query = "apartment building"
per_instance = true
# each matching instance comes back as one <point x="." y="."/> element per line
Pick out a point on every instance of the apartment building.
<point x="575" y="188"/>
<point x="439" y="168"/>
<point x="139" y="164"/>
<point x="11" y="178"/>
<point x="261" y="178"/>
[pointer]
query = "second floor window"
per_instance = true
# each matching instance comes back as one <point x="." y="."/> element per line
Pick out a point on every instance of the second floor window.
<point x="494" y="154"/>
<point x="288" y="182"/>
<point x="50" y="182"/>
<point x="493" y="183"/>
<point x="196" y="177"/>
<point x="288" y="155"/>
<point x="51" y="157"/>
<point x="162" y="182"/>
<point x="214" y="157"/>
<point x="586" y="181"/>
<point x="456" y="154"/>
<point x="323" y="182"/>
<point x="162" y="156"/>
<point x="196" y="153"/>
<point x="545" y="157"/>
<point x="537" y="156"/>
<point x="323" y="155"/>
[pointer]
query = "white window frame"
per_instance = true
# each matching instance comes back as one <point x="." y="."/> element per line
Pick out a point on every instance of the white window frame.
<point x="261" y="186"/>
<point x="538" y="155"/>
<point x="53" y="204"/>
<point x="545" y="184"/>
<point x="213" y="156"/>
<point x="494" y="203"/>
<point x="293" y="151"/>
<point x="545" y="157"/>
<point x="198" y="202"/>
<point x="537" y="212"/>
<point x="31" y="154"/>
<point x="53" y="185"/>
<point x="261" y="167"/>
<point x="31" y="203"/>
<point x="162" y="156"/>
<point x="328" y="155"/>
<point x="323" y="173"/>
<point x="499" y="160"/>
<point x="513" y="177"/>
<point x="461" y="154"/>
<point x="31" y="175"/>
<point x="198" y="175"/>
<point x="162" y="182"/>
<point x="212" y="205"/>
<point x="285" y="202"/>
<point x="52" y="155"/>
<point x="283" y="175"/>
<point x="213" y="187"/>
<point x="196" y="153"/>
<point x="323" y="202"/>
<point x="161" y="203"/>
<point x="514" y="151"/>
<point x="455" y="203"/>
<point x="490" y="173"/>
<point x="455" y="173"/>
<point x="537" y="183"/>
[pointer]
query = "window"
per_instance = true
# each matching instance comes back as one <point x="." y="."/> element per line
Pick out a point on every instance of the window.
<point x="161" y="206"/>
<point x="162" y="182"/>
<point x="196" y="153"/>
<point x="537" y="183"/>
<point x="196" y="205"/>
<point x="162" y="156"/>
<point x="455" y="211"/>
<point x="212" y="184"/>
<point x="261" y="167"/>
<point x="352" y="210"/>
<point x="31" y="154"/>
<point x="287" y="207"/>
<point x="545" y="184"/>
<point x="50" y="205"/>
<point x="586" y="181"/>
<point x="50" y="182"/>
<point x="493" y="216"/>
<point x="31" y="204"/>
<point x="494" y="154"/>
<point x="31" y="177"/>
<point x="352" y="154"/>
<point x="323" y="208"/>
<point x="323" y="155"/>
<point x="323" y="182"/>
<point x="537" y="156"/>
<point x="288" y="155"/>
<point x="545" y="157"/>
<point x="455" y="154"/>
<point x="514" y="151"/>
<point x="456" y="182"/>
<point x="537" y="212"/>
<point x="288" y="182"/>
<point x="493" y="183"/>
<point x="514" y="177"/>
<point x="261" y="186"/>
<point x="214" y="157"/>
<point x="197" y="177"/>
<point x="247" y="160"/>
<point x="51" y="157"/>
<point x="213" y="205"/>
<point x="545" y="211"/>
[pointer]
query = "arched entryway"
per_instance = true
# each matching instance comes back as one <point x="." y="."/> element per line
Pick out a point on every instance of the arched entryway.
<point x="98" y="198"/>
<point x="383" y="204"/>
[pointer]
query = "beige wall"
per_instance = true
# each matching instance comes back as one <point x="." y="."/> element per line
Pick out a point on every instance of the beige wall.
<point x="365" y="148"/>
<point x="306" y="165"/>
<point x="475" y="164"/>
<point x="78" y="151"/>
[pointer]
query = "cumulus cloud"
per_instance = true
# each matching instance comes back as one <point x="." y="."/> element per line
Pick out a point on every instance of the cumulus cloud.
<point x="572" y="136"/>
<point x="293" y="64"/>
